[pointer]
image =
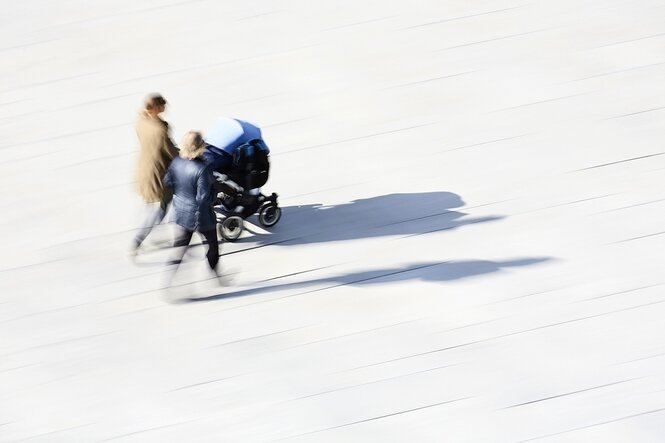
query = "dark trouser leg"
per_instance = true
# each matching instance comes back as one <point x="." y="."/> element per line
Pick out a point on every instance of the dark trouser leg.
<point x="182" y="239"/>
<point x="155" y="215"/>
<point x="213" y="247"/>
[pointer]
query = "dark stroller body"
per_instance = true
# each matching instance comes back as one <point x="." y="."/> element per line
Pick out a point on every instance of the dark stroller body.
<point x="237" y="182"/>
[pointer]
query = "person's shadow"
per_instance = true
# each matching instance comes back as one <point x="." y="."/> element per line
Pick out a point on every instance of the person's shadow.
<point x="386" y="215"/>
<point x="426" y="271"/>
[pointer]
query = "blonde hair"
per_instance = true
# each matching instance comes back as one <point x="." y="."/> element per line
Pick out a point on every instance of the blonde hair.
<point x="192" y="145"/>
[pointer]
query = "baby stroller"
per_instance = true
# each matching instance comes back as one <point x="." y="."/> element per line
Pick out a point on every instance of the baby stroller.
<point x="237" y="183"/>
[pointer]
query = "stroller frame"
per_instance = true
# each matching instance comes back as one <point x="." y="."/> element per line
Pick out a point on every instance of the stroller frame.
<point x="234" y="204"/>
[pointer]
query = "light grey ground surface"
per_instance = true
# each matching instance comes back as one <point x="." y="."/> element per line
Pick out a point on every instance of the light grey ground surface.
<point x="471" y="245"/>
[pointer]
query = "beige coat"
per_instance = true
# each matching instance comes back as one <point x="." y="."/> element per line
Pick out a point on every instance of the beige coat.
<point x="155" y="155"/>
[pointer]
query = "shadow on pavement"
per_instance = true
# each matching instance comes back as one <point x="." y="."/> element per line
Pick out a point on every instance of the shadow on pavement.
<point x="386" y="215"/>
<point x="427" y="271"/>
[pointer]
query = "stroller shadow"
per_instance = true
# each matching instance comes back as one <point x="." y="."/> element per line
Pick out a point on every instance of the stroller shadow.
<point x="386" y="215"/>
<point x="427" y="271"/>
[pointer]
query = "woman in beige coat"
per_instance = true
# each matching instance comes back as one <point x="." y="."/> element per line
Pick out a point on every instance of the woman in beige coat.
<point x="155" y="155"/>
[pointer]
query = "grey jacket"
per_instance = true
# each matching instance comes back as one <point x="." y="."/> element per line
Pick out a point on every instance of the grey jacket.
<point x="191" y="182"/>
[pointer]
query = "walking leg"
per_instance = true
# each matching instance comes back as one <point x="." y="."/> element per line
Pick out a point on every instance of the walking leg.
<point x="182" y="239"/>
<point x="213" y="248"/>
<point x="155" y="214"/>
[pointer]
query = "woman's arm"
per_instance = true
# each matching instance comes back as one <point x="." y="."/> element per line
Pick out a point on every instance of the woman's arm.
<point x="204" y="191"/>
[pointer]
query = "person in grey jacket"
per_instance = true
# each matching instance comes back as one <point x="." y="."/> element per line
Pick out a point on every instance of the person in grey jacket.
<point x="190" y="178"/>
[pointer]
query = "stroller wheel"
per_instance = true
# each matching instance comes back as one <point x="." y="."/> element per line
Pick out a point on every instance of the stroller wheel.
<point x="269" y="215"/>
<point x="230" y="228"/>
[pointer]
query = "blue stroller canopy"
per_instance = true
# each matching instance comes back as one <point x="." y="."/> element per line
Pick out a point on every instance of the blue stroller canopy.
<point x="227" y="134"/>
